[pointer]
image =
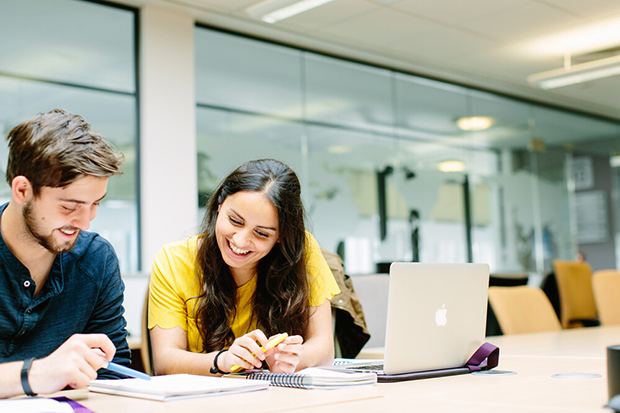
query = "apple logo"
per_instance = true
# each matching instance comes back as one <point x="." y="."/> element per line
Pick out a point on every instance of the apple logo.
<point x="440" y="316"/>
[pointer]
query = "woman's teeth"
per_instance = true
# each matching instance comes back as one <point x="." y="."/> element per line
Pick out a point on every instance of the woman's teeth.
<point x="237" y="250"/>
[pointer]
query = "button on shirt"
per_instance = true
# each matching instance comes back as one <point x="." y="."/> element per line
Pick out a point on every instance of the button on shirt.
<point x="83" y="294"/>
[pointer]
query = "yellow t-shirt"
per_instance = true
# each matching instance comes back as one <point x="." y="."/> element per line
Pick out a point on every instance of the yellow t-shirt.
<point x="174" y="288"/>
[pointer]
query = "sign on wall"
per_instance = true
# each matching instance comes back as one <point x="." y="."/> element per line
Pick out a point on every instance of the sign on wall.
<point x="592" y="217"/>
<point x="583" y="172"/>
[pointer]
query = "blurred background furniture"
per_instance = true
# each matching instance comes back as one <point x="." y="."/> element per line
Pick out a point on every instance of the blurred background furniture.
<point x="523" y="309"/>
<point x="502" y="280"/>
<point x="574" y="281"/>
<point x="606" y="288"/>
<point x="549" y="285"/>
<point x="372" y="290"/>
<point x="349" y="323"/>
<point x="145" y="348"/>
<point x="508" y="279"/>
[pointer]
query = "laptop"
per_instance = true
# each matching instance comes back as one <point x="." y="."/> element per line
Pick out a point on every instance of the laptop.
<point x="436" y="320"/>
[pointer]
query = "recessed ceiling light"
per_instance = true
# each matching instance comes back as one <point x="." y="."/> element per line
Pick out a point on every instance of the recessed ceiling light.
<point x="451" y="166"/>
<point x="474" y="123"/>
<point x="339" y="149"/>
<point x="272" y="11"/>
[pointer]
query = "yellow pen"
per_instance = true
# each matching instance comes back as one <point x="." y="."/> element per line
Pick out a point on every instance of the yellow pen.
<point x="270" y="344"/>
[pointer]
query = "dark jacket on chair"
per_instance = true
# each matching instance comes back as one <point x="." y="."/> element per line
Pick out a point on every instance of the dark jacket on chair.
<point x="351" y="332"/>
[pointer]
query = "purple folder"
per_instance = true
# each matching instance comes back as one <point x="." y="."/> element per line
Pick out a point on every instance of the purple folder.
<point x="485" y="358"/>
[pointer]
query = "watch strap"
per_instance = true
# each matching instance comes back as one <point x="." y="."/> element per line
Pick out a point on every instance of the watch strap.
<point x="24" y="375"/>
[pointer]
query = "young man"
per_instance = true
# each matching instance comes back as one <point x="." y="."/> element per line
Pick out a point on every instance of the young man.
<point x="61" y="314"/>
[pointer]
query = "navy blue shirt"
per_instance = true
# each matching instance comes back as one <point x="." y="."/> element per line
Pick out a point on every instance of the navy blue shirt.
<point x="83" y="294"/>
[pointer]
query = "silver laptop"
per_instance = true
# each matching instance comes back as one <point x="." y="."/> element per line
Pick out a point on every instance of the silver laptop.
<point x="436" y="317"/>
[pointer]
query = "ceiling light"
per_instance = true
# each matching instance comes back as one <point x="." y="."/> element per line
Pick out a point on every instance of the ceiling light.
<point x="272" y="11"/>
<point x="571" y="75"/>
<point x="339" y="149"/>
<point x="451" y="166"/>
<point x="474" y="123"/>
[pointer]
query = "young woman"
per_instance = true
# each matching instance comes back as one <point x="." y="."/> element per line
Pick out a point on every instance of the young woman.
<point x="253" y="272"/>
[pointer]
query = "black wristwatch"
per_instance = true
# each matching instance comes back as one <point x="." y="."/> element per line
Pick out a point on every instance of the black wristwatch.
<point x="25" y="371"/>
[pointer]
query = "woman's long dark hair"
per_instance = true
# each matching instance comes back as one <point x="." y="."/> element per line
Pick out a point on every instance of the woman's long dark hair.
<point x="282" y="291"/>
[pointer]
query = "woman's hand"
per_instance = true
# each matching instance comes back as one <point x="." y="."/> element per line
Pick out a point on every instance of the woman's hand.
<point x="285" y="356"/>
<point x="245" y="352"/>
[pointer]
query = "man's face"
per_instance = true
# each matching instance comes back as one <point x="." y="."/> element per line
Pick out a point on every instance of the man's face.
<point x="55" y="218"/>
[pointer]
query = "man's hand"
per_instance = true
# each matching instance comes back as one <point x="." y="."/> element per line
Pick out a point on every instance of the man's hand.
<point x="74" y="363"/>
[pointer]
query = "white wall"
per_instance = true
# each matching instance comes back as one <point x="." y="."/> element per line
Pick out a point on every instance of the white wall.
<point x="168" y="130"/>
<point x="168" y="179"/>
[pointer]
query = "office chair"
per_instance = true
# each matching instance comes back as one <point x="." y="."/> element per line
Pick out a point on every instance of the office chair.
<point x="606" y="287"/>
<point x="145" y="346"/>
<point x="501" y="280"/>
<point x="577" y="306"/>
<point x="508" y="279"/>
<point x="523" y="309"/>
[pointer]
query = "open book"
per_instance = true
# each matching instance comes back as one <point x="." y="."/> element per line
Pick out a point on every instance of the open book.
<point x="311" y="378"/>
<point x="175" y="387"/>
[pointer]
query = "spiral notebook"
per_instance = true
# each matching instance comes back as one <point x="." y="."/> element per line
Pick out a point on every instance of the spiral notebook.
<point x="310" y="378"/>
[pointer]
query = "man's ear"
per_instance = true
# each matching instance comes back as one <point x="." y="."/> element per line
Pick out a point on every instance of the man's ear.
<point x="21" y="189"/>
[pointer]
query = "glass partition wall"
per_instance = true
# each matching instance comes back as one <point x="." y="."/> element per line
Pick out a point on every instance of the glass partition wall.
<point x="387" y="172"/>
<point x="78" y="56"/>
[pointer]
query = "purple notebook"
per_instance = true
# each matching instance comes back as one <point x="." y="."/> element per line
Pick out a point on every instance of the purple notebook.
<point x="77" y="407"/>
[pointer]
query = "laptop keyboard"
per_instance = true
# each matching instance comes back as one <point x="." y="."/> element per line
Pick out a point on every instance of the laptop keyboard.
<point x="368" y="367"/>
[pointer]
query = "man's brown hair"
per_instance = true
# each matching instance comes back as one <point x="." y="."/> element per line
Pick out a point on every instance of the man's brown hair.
<point x="57" y="148"/>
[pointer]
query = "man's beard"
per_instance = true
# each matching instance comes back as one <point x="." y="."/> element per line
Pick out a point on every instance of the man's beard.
<point x="46" y="241"/>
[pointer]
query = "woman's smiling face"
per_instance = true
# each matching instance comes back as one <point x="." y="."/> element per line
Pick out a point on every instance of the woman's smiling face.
<point x="246" y="230"/>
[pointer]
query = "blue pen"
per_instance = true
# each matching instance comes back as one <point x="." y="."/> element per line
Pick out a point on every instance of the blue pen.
<point x="127" y="371"/>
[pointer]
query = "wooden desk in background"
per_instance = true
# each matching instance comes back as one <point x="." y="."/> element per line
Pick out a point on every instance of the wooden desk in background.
<point x="134" y="343"/>
<point x="535" y="358"/>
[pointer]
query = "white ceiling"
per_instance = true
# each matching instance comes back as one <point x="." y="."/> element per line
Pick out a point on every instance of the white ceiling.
<point x="490" y="44"/>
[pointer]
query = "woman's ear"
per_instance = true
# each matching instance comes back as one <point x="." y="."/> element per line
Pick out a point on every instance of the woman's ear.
<point x="21" y="189"/>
